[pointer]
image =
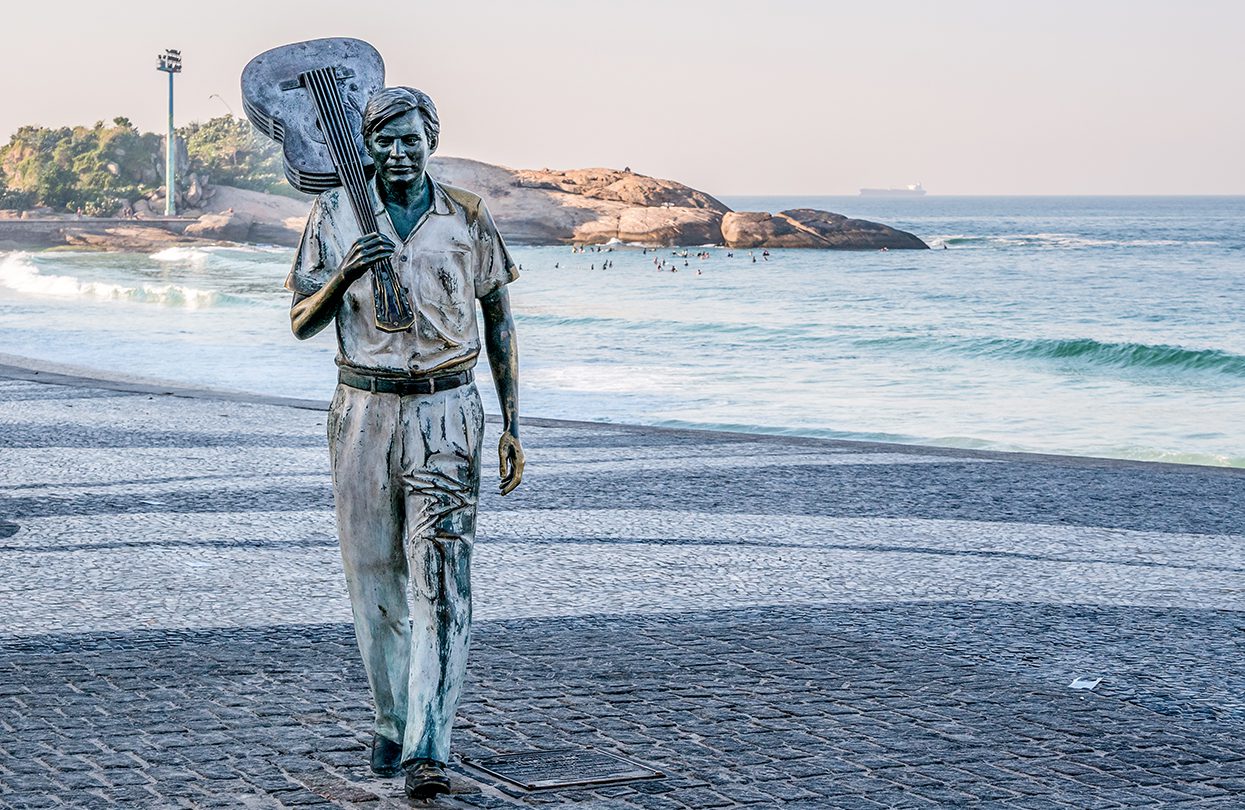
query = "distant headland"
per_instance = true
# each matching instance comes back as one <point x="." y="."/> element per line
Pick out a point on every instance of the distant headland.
<point x="102" y="188"/>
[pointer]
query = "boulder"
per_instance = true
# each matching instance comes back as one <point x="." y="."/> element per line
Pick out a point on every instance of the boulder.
<point x="669" y="226"/>
<point x="229" y="226"/>
<point x="195" y="190"/>
<point x="278" y="219"/>
<point x="751" y="229"/>
<point x="812" y="228"/>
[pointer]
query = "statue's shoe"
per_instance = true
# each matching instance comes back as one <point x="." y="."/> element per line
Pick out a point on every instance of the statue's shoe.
<point x="425" y="778"/>
<point x="386" y="756"/>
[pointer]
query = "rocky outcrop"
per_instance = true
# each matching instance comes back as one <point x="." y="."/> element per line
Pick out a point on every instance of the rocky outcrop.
<point x="128" y="237"/>
<point x="811" y="228"/>
<point x="594" y="206"/>
<point x="750" y="229"/>
<point x="626" y="187"/>
<point x="229" y="227"/>
<point x="587" y="206"/>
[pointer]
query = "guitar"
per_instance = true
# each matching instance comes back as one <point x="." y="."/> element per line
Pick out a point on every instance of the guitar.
<point x="309" y="97"/>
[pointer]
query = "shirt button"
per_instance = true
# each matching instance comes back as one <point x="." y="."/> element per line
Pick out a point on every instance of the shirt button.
<point x="402" y="258"/>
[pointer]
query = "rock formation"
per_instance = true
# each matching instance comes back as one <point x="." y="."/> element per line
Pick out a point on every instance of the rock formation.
<point x="594" y="206"/>
<point x="810" y="228"/>
<point x="135" y="238"/>
<point x="624" y="187"/>
<point x="587" y="206"/>
<point x="229" y="227"/>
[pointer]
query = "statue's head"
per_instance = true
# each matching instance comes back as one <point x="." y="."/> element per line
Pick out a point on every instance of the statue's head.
<point x="400" y="132"/>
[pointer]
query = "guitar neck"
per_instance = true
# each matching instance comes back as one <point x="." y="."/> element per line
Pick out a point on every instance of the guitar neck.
<point x="393" y="311"/>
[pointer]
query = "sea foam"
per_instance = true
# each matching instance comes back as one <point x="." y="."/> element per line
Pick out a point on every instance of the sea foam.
<point x="19" y="272"/>
<point x="181" y="254"/>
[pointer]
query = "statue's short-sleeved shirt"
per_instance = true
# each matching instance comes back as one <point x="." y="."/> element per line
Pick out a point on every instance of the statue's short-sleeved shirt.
<point x="452" y="257"/>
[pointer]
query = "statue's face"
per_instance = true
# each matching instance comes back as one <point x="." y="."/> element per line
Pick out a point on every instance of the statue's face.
<point x="400" y="148"/>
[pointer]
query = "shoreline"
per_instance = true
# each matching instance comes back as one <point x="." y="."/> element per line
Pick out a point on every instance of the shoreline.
<point x="32" y="370"/>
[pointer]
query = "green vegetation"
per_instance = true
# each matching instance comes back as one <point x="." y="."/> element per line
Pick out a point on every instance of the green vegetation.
<point x="229" y="151"/>
<point x="13" y="199"/>
<point x="93" y="168"/>
<point x="100" y="168"/>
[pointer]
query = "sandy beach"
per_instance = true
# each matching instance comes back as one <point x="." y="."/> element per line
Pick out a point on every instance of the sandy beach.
<point x="768" y="620"/>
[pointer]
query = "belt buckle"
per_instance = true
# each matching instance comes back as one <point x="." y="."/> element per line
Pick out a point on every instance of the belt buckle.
<point x="432" y="385"/>
<point x="371" y="384"/>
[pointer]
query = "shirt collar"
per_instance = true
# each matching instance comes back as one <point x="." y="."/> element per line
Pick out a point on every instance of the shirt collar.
<point x="442" y="205"/>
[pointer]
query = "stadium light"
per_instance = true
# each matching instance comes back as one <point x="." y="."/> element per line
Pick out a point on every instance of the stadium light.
<point x="170" y="62"/>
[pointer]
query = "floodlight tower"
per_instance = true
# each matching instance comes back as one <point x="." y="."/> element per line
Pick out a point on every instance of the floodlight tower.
<point x="170" y="63"/>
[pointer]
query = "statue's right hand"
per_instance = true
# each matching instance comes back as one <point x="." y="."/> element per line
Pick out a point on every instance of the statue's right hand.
<point x="365" y="252"/>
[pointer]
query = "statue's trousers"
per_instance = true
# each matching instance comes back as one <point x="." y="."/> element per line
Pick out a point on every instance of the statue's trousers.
<point x="406" y="480"/>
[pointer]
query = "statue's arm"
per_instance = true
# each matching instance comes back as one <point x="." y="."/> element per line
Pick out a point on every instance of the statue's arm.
<point x="503" y="358"/>
<point x="311" y="313"/>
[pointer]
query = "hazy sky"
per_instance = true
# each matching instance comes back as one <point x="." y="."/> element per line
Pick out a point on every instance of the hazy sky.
<point x="752" y="97"/>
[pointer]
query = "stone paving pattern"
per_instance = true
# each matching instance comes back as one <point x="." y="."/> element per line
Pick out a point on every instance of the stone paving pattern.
<point x="772" y="622"/>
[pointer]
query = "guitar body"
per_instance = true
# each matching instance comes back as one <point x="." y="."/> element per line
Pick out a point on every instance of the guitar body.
<point x="310" y="97"/>
<point x="285" y="111"/>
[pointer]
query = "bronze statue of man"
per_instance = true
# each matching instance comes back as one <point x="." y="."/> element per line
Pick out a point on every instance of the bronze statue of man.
<point x="405" y="425"/>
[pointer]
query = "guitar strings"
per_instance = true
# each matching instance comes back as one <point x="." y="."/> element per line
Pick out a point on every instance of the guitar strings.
<point x="336" y="136"/>
<point x="322" y="84"/>
<point x="324" y="88"/>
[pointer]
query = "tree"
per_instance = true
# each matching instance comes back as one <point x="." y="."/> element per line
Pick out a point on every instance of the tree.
<point x="93" y="168"/>
<point x="231" y="152"/>
<point x="14" y="199"/>
<point x="97" y="168"/>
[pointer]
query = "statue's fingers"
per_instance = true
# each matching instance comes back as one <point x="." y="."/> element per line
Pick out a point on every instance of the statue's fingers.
<point x="515" y="479"/>
<point x="508" y="472"/>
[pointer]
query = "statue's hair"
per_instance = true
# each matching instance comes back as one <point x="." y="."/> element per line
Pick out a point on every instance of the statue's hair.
<point x="391" y="102"/>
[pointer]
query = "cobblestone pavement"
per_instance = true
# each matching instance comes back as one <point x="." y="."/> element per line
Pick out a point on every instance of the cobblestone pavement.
<point x="771" y="622"/>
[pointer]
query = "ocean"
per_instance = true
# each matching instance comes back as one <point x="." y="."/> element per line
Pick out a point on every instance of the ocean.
<point x="1074" y="325"/>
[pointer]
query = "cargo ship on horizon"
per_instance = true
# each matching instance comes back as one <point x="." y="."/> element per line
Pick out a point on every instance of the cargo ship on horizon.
<point x="914" y="190"/>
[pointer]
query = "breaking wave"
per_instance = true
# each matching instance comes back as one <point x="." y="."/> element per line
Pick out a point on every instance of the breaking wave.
<point x="1120" y="355"/>
<point x="181" y="254"/>
<point x="1059" y="241"/>
<point x="1083" y="350"/>
<point x="19" y="272"/>
<point x="200" y="254"/>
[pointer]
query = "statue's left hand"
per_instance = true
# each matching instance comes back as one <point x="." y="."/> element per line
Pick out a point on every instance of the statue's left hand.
<point x="510" y="453"/>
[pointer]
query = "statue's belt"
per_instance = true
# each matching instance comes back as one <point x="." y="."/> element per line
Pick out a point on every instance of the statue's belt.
<point x="404" y="386"/>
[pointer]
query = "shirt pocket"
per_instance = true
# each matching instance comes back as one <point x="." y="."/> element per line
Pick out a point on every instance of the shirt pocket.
<point x="446" y="289"/>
